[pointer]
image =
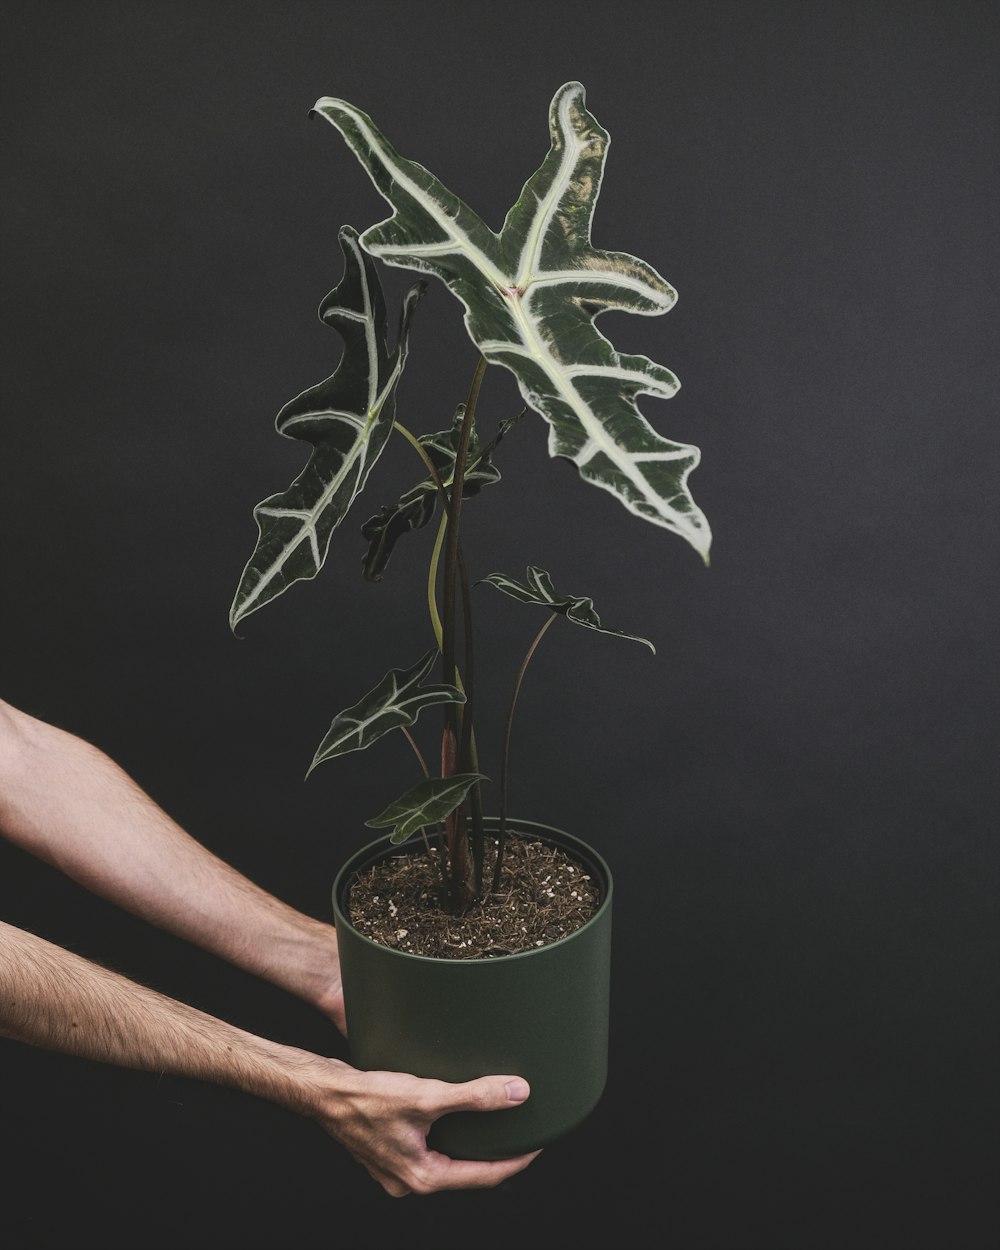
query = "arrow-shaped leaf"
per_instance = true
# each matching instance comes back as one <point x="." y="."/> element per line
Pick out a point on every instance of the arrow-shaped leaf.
<point x="396" y="701"/>
<point x="426" y="804"/>
<point x="417" y="506"/>
<point x="531" y="295"/>
<point x="347" y="419"/>
<point x="539" y="589"/>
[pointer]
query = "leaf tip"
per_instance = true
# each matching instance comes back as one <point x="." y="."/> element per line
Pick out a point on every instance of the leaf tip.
<point x="235" y="616"/>
<point x="573" y="87"/>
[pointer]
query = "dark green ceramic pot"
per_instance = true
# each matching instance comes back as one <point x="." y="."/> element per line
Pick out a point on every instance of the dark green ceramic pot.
<point x="542" y="1015"/>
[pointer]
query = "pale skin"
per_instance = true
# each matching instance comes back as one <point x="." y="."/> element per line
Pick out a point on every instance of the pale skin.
<point x="66" y="802"/>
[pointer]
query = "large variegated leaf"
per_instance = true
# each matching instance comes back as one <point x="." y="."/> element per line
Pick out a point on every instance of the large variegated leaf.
<point x="347" y="419"/>
<point x="539" y="589"/>
<point x="531" y="295"/>
<point x="396" y="701"/>
<point x="417" y="506"/>
<point x="426" y="804"/>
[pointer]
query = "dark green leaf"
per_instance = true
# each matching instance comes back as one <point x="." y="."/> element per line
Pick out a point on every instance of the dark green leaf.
<point x="396" y="701"/>
<point x="539" y="590"/>
<point x="531" y="296"/>
<point x="418" y="505"/>
<point x="426" y="804"/>
<point x="347" y="419"/>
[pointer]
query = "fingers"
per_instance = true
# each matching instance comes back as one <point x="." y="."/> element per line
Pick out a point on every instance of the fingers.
<point x="487" y="1093"/>
<point x="465" y="1174"/>
<point x="392" y="1185"/>
<point x="383" y="1119"/>
<point x="436" y="1172"/>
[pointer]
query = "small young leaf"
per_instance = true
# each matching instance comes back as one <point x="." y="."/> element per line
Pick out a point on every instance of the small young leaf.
<point x="426" y="804"/>
<point x="396" y="701"/>
<point x="417" y="506"/>
<point x="347" y="419"/>
<point x="539" y="590"/>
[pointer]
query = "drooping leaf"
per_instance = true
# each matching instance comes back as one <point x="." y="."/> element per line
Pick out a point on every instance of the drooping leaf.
<point x="347" y="419"/>
<point x="531" y="296"/>
<point x="418" y="505"/>
<point x="539" y="589"/>
<point x="396" y="701"/>
<point x="426" y="804"/>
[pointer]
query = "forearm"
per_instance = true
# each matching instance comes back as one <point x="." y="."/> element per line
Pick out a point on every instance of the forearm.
<point x="52" y="998"/>
<point x="66" y="802"/>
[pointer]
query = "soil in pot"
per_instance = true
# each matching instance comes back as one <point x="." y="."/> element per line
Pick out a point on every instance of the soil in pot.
<point x="544" y="895"/>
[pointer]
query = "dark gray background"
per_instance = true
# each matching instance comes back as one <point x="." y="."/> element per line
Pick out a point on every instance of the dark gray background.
<point x="798" y="795"/>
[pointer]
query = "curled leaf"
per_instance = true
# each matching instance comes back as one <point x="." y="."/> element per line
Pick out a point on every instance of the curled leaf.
<point x="539" y="589"/>
<point x="347" y="418"/>
<point x="418" y="505"/>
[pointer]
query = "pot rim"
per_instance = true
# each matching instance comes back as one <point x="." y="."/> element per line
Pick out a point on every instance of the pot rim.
<point x="545" y="832"/>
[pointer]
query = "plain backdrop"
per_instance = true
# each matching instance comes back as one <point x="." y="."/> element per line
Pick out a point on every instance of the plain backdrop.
<point x="798" y="795"/>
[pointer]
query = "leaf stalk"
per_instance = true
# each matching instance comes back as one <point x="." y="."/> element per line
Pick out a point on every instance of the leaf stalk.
<point x="505" y="758"/>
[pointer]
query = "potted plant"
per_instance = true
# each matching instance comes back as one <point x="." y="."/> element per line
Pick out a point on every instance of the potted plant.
<point x="483" y="944"/>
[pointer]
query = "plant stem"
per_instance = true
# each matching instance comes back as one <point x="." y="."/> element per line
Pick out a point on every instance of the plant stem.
<point x="416" y="750"/>
<point x="463" y="891"/>
<point x="444" y="631"/>
<point x="502" y="822"/>
<point x="432" y="572"/>
<point x="465" y="714"/>
<point x="428" y="462"/>
<point x="432" y="575"/>
<point x="468" y="756"/>
<point x="426" y="771"/>
<point x="451" y="542"/>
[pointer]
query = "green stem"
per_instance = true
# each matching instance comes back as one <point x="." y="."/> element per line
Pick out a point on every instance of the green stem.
<point x="432" y="594"/>
<point x="432" y="576"/>
<point x="502" y="821"/>
<point x="444" y="629"/>
<point x="432" y="572"/>
<point x="426" y="771"/>
<point x="418" y="448"/>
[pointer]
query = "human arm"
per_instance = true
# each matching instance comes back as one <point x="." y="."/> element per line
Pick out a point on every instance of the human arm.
<point x="52" y="998"/>
<point x="64" y="801"/>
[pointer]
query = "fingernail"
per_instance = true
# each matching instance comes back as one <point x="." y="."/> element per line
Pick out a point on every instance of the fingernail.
<point x="517" y="1090"/>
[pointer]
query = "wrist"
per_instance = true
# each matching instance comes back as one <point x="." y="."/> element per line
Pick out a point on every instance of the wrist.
<point x="311" y="965"/>
<point x="297" y="1080"/>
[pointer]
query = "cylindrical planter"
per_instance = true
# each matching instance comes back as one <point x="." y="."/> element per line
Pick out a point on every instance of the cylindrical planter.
<point x="542" y="1014"/>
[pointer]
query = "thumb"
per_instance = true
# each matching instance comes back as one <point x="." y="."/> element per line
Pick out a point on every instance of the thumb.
<point x="487" y="1093"/>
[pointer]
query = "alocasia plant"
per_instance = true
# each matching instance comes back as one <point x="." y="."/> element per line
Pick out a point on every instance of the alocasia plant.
<point x="531" y="295"/>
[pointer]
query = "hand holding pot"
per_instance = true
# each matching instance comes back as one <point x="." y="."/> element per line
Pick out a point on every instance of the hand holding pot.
<point x="383" y="1118"/>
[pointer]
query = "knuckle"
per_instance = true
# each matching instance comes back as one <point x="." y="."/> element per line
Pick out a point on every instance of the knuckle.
<point x="421" y="1180"/>
<point x="427" y="1100"/>
<point x="479" y="1098"/>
